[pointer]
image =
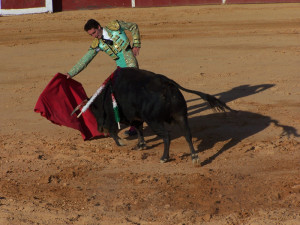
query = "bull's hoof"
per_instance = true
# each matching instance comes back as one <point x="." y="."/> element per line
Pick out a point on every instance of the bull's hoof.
<point x="122" y="142"/>
<point x="143" y="146"/>
<point x="140" y="146"/>
<point x="164" y="160"/>
<point x="196" y="160"/>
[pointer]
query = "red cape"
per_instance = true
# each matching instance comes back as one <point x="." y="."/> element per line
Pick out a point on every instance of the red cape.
<point x="57" y="102"/>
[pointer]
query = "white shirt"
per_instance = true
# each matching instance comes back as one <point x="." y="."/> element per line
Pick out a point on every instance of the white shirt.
<point x="105" y="35"/>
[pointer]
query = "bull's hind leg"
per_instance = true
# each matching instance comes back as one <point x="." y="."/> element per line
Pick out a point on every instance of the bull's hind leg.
<point x="183" y="123"/>
<point x="160" y="130"/>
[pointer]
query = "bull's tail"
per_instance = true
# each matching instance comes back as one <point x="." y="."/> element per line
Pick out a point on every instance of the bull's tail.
<point x="212" y="101"/>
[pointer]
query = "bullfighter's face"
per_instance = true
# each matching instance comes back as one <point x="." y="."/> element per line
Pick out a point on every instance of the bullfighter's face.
<point x="96" y="33"/>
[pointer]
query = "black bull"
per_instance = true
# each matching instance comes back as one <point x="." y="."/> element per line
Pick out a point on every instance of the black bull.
<point x="143" y="96"/>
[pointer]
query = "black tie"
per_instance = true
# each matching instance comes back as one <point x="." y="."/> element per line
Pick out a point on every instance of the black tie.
<point x="109" y="42"/>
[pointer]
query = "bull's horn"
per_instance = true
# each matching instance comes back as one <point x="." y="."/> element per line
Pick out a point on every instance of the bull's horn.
<point x="79" y="106"/>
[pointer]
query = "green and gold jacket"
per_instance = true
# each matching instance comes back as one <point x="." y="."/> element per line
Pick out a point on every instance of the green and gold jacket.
<point x="119" y="50"/>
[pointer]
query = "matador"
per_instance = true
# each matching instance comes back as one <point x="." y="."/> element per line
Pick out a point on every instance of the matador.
<point x="112" y="40"/>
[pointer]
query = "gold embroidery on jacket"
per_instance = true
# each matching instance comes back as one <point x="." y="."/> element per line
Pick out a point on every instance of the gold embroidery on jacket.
<point x="110" y="51"/>
<point x="95" y="43"/>
<point x="113" y="25"/>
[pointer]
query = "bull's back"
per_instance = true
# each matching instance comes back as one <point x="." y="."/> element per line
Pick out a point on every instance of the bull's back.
<point x="146" y="95"/>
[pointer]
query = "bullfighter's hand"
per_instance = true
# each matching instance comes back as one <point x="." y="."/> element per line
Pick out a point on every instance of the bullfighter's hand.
<point x="68" y="76"/>
<point x="135" y="51"/>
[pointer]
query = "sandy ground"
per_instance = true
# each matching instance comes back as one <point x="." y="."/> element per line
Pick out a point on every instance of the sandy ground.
<point x="247" y="55"/>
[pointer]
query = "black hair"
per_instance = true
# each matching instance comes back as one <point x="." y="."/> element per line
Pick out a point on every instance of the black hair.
<point x="91" y="23"/>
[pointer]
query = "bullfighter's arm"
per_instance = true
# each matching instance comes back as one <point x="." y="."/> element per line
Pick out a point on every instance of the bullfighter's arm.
<point x="133" y="28"/>
<point x="83" y="62"/>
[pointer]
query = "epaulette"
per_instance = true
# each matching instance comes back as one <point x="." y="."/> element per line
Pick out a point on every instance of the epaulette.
<point x="95" y="43"/>
<point x="113" y="25"/>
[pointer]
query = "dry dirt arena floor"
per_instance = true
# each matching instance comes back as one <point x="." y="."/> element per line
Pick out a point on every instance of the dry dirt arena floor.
<point x="246" y="55"/>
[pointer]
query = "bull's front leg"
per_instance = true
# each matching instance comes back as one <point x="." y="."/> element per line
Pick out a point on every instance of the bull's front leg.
<point x="117" y="139"/>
